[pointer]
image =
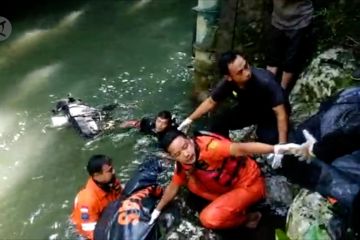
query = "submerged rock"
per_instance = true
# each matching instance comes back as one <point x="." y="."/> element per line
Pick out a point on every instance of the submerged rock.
<point x="279" y="194"/>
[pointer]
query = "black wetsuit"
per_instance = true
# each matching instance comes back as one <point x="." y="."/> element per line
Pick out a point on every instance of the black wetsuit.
<point x="147" y="126"/>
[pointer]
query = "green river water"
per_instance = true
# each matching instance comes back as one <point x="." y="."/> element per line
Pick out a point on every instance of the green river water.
<point x="134" y="53"/>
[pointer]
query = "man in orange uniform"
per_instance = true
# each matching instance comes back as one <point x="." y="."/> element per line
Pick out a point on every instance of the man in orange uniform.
<point x="102" y="188"/>
<point x="221" y="171"/>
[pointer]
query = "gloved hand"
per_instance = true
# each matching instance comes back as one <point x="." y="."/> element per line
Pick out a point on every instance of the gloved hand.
<point x="288" y="148"/>
<point x="279" y="151"/>
<point x="185" y="125"/>
<point x="305" y="152"/>
<point x="154" y="215"/>
<point x="276" y="160"/>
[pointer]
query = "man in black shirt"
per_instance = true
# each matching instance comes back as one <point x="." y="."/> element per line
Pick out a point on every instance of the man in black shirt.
<point x="260" y="100"/>
<point x="155" y="127"/>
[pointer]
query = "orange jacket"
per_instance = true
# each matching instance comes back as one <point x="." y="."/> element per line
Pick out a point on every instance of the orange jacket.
<point x="88" y="206"/>
<point x="216" y="171"/>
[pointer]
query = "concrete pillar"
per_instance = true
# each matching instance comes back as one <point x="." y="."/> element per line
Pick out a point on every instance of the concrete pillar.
<point x="206" y="26"/>
<point x="204" y="46"/>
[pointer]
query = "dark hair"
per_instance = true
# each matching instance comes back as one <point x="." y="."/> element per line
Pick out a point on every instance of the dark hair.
<point x="61" y="104"/>
<point x="168" y="137"/>
<point x="96" y="162"/>
<point x="225" y="59"/>
<point x="166" y="115"/>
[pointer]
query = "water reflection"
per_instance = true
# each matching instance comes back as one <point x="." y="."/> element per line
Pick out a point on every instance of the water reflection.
<point x="41" y="169"/>
<point x="35" y="37"/>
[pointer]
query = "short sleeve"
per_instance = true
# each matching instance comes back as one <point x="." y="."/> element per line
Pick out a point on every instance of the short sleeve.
<point x="276" y="93"/>
<point x="219" y="149"/>
<point x="221" y="91"/>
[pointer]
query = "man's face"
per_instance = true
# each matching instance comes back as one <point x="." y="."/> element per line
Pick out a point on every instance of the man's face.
<point x="182" y="150"/>
<point x="106" y="175"/>
<point x="161" y="124"/>
<point x="239" y="70"/>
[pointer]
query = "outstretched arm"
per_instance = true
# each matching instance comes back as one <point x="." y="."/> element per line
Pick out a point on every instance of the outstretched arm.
<point x="169" y="194"/>
<point x="130" y="124"/>
<point x="206" y="106"/>
<point x="282" y="122"/>
<point x="241" y="149"/>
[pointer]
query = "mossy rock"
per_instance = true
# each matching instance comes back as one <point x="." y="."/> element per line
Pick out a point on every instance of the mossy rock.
<point x="309" y="217"/>
<point x="328" y="73"/>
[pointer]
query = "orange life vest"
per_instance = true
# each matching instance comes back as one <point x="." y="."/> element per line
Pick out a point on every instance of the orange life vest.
<point x="209" y="168"/>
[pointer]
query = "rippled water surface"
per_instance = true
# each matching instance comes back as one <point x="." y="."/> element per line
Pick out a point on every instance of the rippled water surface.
<point x="134" y="53"/>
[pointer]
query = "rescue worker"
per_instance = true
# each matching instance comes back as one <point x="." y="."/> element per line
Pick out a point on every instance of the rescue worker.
<point x="220" y="171"/>
<point x="101" y="188"/>
<point x="155" y="127"/>
<point x="260" y="100"/>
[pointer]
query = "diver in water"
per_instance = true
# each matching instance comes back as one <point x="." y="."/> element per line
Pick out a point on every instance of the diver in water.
<point x="101" y="188"/>
<point x="87" y="120"/>
<point x="156" y="127"/>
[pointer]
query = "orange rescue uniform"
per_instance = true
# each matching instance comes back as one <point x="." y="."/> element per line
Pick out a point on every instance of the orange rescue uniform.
<point x="88" y="206"/>
<point x="232" y="183"/>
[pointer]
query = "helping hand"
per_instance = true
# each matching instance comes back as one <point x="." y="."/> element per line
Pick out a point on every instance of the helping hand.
<point x="279" y="151"/>
<point x="276" y="160"/>
<point x="185" y="125"/>
<point x="305" y="151"/>
<point x="154" y="215"/>
<point x="288" y="148"/>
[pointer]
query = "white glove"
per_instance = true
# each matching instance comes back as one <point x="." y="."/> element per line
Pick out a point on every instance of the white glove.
<point x="288" y="148"/>
<point x="305" y="151"/>
<point x="154" y="215"/>
<point x="185" y="125"/>
<point x="276" y="160"/>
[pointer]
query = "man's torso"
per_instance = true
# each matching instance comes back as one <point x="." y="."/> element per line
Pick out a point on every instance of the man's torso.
<point x="260" y="94"/>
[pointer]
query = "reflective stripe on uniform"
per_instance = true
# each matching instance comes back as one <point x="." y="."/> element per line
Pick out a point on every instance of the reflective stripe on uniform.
<point x="88" y="226"/>
<point x="76" y="199"/>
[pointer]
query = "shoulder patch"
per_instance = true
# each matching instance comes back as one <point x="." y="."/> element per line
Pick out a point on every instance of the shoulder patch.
<point x="213" y="145"/>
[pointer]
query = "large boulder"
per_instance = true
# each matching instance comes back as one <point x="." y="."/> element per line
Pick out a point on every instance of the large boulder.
<point x="311" y="216"/>
<point x="327" y="73"/>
